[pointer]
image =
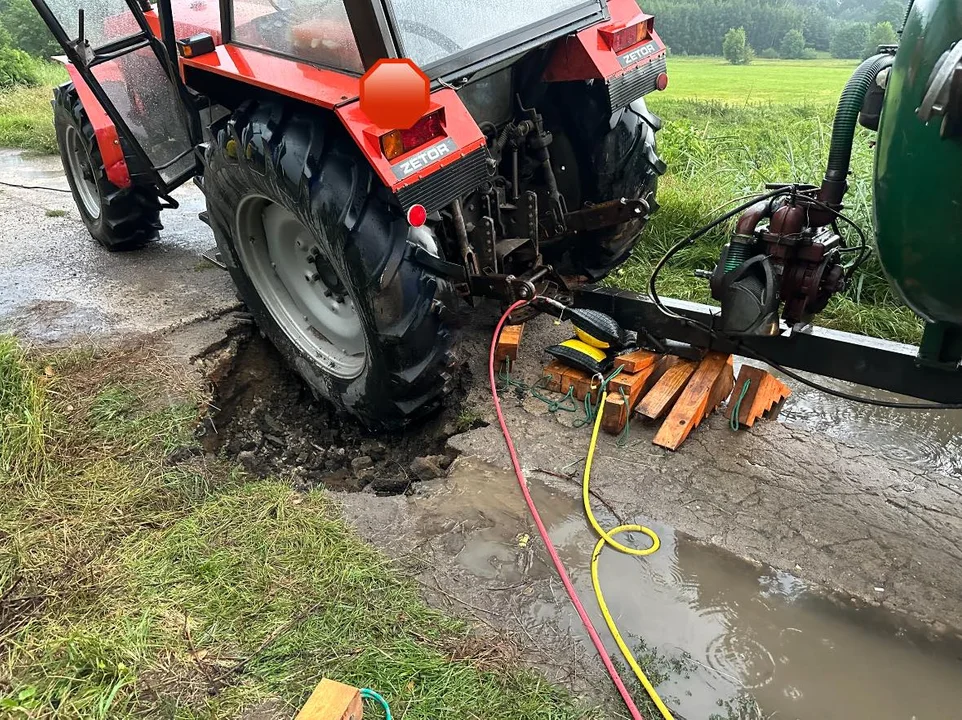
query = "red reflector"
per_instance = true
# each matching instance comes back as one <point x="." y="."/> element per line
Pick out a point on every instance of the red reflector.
<point x="661" y="82"/>
<point x="417" y="215"/>
<point x="620" y="39"/>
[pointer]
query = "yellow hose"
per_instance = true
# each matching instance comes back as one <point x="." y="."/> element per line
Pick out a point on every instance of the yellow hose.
<point x="607" y="538"/>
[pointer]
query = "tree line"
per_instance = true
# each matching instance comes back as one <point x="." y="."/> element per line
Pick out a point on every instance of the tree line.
<point x="776" y="28"/>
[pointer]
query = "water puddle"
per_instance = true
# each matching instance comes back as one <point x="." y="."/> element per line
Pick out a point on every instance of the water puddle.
<point x="925" y="440"/>
<point x="743" y="641"/>
<point x="19" y="168"/>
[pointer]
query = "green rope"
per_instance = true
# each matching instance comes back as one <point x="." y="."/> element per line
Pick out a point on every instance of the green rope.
<point x="504" y="375"/>
<point x="733" y="423"/>
<point x="591" y="410"/>
<point x="368" y="694"/>
<point x="565" y="404"/>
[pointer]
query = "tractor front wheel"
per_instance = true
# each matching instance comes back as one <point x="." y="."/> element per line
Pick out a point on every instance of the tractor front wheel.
<point x="117" y="218"/>
<point x="326" y="263"/>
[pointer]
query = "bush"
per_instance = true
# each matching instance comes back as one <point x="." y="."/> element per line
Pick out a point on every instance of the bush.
<point x="850" y="40"/>
<point x="769" y="54"/>
<point x="809" y="54"/>
<point x="735" y="47"/>
<point x="792" y="45"/>
<point x="17" y="68"/>
<point x="27" y="31"/>
<point x="882" y="34"/>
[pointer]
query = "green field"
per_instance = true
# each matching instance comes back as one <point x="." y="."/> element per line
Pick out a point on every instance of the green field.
<point x="790" y="82"/>
<point x="721" y="145"/>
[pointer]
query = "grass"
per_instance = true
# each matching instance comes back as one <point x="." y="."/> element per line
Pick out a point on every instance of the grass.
<point x="718" y="150"/>
<point x="26" y="117"/>
<point x="770" y="81"/>
<point x="134" y="581"/>
<point x="52" y="213"/>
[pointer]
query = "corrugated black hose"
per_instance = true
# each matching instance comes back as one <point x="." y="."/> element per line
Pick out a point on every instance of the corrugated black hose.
<point x="846" y="116"/>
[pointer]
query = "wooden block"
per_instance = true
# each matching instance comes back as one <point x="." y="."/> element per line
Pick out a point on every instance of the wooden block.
<point x="555" y="372"/>
<point x="332" y="701"/>
<point x="637" y="361"/>
<point x="508" y="343"/>
<point x="763" y="398"/>
<point x="709" y="385"/>
<point x="583" y="385"/>
<point x="561" y="378"/>
<point x="615" y="412"/>
<point x="669" y="386"/>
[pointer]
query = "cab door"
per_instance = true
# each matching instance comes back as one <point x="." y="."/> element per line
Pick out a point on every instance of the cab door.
<point x="133" y="74"/>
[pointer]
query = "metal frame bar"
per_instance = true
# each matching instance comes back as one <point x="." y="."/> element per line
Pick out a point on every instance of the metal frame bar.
<point x="854" y="358"/>
<point x="373" y="26"/>
<point x="226" y="20"/>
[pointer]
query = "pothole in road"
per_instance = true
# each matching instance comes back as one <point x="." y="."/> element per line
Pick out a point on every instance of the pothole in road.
<point x="264" y="417"/>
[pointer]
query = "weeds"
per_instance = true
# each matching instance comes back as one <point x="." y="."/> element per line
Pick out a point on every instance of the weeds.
<point x="25" y="418"/>
<point x="53" y="213"/>
<point x="26" y="115"/>
<point x="132" y="583"/>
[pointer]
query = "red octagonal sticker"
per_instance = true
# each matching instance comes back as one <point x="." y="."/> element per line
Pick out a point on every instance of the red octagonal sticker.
<point x="395" y="93"/>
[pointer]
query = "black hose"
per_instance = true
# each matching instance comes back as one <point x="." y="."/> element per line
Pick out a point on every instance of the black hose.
<point x="846" y="116"/>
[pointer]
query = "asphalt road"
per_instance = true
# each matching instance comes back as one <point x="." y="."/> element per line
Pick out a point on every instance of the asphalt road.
<point x="57" y="285"/>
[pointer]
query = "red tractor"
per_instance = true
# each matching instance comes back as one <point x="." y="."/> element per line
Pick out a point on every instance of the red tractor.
<point x="533" y="168"/>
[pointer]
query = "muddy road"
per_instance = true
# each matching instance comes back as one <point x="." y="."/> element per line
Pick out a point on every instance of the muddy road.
<point x="811" y="568"/>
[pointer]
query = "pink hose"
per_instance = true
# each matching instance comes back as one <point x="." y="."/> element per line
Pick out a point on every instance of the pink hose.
<point x="542" y="530"/>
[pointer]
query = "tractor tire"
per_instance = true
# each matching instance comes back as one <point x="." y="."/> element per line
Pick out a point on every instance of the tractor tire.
<point x="614" y="156"/>
<point x="326" y="263"/>
<point x="117" y="218"/>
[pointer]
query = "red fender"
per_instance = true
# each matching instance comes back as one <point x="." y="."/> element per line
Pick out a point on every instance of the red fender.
<point x="587" y="54"/>
<point x="104" y="130"/>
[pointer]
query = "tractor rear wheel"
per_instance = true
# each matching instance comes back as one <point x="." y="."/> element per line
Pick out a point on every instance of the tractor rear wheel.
<point x="117" y="218"/>
<point x="612" y="156"/>
<point x="326" y="263"/>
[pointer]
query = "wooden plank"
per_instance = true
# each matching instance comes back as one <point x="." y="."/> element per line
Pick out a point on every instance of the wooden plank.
<point x="614" y="414"/>
<point x="508" y="343"/>
<point x="634" y="385"/>
<point x="722" y="388"/>
<point x="694" y="403"/>
<point x="669" y="386"/>
<point x="637" y="361"/>
<point x="615" y="411"/>
<point x="764" y="397"/>
<point x="332" y="701"/>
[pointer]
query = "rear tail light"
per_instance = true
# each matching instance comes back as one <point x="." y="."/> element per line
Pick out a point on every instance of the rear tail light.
<point x="622" y="38"/>
<point x="397" y="142"/>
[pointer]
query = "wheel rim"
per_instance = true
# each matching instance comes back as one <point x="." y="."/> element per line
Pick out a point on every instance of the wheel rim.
<point x="81" y="170"/>
<point x="304" y="292"/>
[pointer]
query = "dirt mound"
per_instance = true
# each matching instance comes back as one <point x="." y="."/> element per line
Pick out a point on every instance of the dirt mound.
<point x="264" y="417"/>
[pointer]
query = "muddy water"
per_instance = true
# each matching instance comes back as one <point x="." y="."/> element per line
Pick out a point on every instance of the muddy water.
<point x="26" y="170"/>
<point x="740" y="631"/>
<point x="930" y="440"/>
